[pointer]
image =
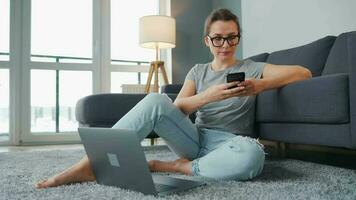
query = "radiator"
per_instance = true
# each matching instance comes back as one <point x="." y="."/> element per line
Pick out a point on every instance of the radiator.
<point x="135" y="88"/>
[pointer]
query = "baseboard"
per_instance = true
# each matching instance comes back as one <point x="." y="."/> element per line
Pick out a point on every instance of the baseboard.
<point x="335" y="156"/>
<point x="307" y="147"/>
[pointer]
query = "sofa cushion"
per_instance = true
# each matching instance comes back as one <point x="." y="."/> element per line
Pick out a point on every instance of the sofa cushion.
<point x="337" y="61"/>
<point x="324" y="99"/>
<point x="312" y="56"/>
<point x="171" y="88"/>
<point x="259" y="58"/>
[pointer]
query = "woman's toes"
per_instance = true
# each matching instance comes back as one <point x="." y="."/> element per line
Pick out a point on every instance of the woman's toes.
<point x="39" y="185"/>
<point x="45" y="184"/>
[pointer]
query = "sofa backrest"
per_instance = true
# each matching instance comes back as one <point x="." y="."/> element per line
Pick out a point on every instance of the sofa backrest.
<point x="260" y="57"/>
<point x="337" y="61"/>
<point x="312" y="56"/>
<point x="171" y="88"/>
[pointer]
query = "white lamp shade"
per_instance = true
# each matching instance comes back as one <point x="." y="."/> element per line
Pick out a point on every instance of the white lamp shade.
<point x="157" y="31"/>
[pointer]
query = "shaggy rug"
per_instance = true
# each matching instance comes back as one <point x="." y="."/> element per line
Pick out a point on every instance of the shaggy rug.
<point x="280" y="179"/>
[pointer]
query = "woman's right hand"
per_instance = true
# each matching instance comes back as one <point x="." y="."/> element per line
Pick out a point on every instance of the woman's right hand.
<point x="220" y="92"/>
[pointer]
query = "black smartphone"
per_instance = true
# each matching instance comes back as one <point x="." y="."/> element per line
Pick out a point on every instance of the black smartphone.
<point x="239" y="76"/>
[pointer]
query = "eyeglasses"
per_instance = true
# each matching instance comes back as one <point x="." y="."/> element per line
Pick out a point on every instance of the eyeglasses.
<point x="218" y="41"/>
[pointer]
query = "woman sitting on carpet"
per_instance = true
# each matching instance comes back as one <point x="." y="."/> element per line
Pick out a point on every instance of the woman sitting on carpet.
<point x="219" y="145"/>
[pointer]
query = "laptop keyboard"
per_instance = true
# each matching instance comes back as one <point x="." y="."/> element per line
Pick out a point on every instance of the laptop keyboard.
<point x="162" y="187"/>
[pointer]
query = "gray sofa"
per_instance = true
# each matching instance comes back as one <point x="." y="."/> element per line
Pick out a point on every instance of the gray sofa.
<point x="317" y="111"/>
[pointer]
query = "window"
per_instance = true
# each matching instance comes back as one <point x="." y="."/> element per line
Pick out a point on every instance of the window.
<point x="73" y="86"/>
<point x="61" y="31"/>
<point x="124" y="29"/>
<point x="4" y="104"/>
<point x="4" y="69"/>
<point x="61" y="63"/>
<point x="54" y="95"/>
<point x="59" y="54"/>
<point x="4" y="29"/>
<point x="43" y="101"/>
<point x="125" y="49"/>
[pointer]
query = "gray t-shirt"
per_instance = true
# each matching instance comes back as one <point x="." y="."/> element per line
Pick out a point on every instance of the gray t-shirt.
<point x="235" y="114"/>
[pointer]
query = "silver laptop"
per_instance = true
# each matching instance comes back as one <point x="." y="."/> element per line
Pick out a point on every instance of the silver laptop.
<point x="117" y="159"/>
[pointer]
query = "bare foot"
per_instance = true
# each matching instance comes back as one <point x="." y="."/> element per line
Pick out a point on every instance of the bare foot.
<point x="180" y="165"/>
<point x="80" y="172"/>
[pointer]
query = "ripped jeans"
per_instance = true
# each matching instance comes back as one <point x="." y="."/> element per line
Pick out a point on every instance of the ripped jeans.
<point x="213" y="153"/>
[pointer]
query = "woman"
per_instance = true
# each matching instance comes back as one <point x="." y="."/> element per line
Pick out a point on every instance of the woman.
<point x="218" y="145"/>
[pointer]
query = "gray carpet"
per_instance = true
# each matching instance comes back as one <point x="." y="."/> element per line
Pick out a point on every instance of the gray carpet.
<point x="280" y="179"/>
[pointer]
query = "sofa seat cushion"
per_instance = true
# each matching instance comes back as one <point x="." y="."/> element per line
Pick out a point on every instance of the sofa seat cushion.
<point x="323" y="99"/>
<point x="312" y="56"/>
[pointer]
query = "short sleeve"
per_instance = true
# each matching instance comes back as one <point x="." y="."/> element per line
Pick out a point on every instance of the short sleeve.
<point x="191" y="74"/>
<point x="256" y="69"/>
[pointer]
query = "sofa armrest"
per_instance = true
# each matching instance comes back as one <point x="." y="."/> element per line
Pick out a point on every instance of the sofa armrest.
<point x="351" y="50"/>
<point x="104" y="110"/>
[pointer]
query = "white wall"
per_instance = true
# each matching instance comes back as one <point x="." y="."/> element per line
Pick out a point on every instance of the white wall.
<point x="270" y="25"/>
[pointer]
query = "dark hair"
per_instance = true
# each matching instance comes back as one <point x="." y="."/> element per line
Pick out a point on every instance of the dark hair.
<point x="220" y="14"/>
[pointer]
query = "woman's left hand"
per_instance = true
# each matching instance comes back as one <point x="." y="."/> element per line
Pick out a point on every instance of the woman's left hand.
<point x="252" y="87"/>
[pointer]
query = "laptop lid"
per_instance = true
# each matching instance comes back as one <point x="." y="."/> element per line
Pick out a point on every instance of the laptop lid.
<point x="117" y="158"/>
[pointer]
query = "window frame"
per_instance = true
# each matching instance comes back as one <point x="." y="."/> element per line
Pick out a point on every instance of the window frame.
<point x="26" y="136"/>
<point x="20" y="66"/>
<point x="6" y="65"/>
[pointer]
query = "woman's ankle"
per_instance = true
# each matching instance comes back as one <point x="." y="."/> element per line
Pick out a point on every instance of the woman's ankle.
<point x="182" y="165"/>
<point x="161" y="166"/>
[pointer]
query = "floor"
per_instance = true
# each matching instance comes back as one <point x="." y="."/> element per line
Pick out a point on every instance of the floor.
<point x="39" y="148"/>
<point x="144" y="143"/>
<point x="330" y="156"/>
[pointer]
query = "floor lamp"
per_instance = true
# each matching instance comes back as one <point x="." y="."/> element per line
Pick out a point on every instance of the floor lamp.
<point x="157" y="32"/>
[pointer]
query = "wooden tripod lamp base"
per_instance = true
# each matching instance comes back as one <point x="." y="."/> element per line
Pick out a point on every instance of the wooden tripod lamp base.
<point x="154" y="67"/>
